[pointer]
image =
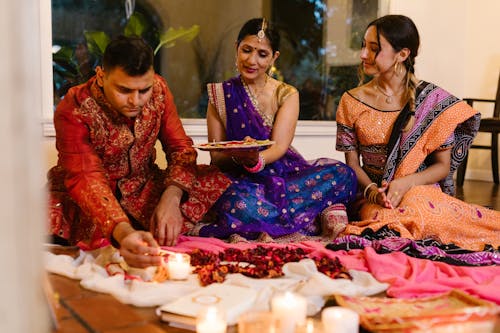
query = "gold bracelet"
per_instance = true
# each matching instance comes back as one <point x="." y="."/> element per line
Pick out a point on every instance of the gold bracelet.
<point x="367" y="187"/>
<point x="372" y="196"/>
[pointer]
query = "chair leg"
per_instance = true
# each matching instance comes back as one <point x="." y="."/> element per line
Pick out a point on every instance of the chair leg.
<point x="461" y="171"/>
<point x="494" y="156"/>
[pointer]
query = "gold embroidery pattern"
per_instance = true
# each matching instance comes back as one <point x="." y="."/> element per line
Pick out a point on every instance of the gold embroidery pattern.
<point x="111" y="172"/>
<point x="216" y="97"/>
<point x="282" y="92"/>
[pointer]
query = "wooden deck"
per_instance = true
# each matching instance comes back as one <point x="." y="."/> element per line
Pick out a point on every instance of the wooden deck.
<point x="84" y="311"/>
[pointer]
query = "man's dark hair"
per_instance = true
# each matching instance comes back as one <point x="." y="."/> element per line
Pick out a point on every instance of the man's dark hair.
<point x="132" y="54"/>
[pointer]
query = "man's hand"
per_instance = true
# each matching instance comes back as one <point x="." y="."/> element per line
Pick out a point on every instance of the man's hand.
<point x="166" y="222"/>
<point x="138" y="248"/>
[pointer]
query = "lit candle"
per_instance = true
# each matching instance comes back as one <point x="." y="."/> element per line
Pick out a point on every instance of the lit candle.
<point x="310" y="326"/>
<point x="211" y="320"/>
<point x="179" y="266"/>
<point x="258" y="322"/>
<point x="291" y="310"/>
<point x="337" y="319"/>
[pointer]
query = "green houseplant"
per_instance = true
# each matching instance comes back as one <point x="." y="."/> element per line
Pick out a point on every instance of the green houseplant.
<point x="73" y="65"/>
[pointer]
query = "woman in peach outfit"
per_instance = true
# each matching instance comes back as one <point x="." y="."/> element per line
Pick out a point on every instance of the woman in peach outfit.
<point x="411" y="136"/>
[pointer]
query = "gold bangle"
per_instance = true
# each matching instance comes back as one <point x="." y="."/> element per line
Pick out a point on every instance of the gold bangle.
<point x="372" y="196"/>
<point x="367" y="187"/>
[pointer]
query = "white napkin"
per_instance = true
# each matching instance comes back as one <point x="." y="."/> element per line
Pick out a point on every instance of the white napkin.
<point x="92" y="274"/>
<point x="316" y="286"/>
<point x="266" y="287"/>
<point x="65" y="265"/>
<point x="316" y="283"/>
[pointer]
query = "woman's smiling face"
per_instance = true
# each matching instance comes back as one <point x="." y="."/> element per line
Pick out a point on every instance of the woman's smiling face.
<point x="376" y="58"/>
<point x="254" y="57"/>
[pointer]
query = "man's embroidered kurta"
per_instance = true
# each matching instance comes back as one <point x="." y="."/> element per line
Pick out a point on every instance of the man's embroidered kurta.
<point x="106" y="171"/>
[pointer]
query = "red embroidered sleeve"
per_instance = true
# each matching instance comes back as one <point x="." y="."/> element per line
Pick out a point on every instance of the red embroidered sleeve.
<point x="85" y="180"/>
<point x="181" y="156"/>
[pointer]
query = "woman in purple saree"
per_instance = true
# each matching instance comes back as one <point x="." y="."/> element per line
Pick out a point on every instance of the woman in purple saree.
<point x="274" y="191"/>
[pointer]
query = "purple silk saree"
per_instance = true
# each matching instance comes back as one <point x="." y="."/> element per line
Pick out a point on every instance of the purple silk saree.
<point x="288" y="195"/>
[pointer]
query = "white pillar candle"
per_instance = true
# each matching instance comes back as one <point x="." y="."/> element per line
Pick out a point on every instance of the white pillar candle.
<point x="179" y="266"/>
<point x="337" y="319"/>
<point x="291" y="310"/>
<point x="211" y="320"/>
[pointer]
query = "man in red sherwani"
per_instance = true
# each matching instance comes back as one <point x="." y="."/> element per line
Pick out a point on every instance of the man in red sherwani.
<point x="106" y="185"/>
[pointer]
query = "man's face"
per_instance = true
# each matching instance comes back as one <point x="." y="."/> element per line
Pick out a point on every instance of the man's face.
<point x="126" y="94"/>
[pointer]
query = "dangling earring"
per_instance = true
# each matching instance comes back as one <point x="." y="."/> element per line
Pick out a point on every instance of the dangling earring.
<point x="396" y="68"/>
<point x="236" y="67"/>
<point x="271" y="70"/>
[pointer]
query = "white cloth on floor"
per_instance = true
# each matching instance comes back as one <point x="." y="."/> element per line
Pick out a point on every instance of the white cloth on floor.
<point x="300" y="277"/>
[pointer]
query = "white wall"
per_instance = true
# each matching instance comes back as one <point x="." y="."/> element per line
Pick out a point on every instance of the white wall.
<point x="22" y="306"/>
<point x="460" y="51"/>
<point x="459" y="43"/>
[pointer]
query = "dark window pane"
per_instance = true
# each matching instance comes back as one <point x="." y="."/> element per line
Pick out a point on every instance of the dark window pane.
<point x="312" y="56"/>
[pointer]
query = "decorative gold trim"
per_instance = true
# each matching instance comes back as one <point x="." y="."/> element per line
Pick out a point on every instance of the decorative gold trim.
<point x="262" y="34"/>
<point x="216" y="97"/>
<point x="268" y="121"/>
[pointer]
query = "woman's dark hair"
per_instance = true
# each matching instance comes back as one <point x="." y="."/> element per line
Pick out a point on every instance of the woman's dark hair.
<point x="253" y="26"/>
<point x="400" y="32"/>
<point x="132" y="54"/>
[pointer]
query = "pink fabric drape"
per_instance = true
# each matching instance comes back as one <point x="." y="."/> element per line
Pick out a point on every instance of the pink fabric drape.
<point x="408" y="277"/>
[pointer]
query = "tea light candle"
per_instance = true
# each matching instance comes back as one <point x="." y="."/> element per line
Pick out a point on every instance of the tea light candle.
<point x="258" y="321"/>
<point x="179" y="266"/>
<point x="211" y="320"/>
<point x="310" y="326"/>
<point x="337" y="319"/>
<point x="291" y="310"/>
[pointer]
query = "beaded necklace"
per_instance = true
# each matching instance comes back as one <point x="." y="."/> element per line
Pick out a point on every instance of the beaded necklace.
<point x="268" y="120"/>
<point x="254" y="96"/>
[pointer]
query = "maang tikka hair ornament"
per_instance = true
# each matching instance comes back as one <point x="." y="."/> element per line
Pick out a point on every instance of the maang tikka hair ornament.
<point x="261" y="34"/>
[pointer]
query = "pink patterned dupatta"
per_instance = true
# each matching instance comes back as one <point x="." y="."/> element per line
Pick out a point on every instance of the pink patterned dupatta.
<point x="439" y="118"/>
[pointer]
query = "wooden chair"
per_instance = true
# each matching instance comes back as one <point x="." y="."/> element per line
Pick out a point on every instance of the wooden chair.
<point x="488" y="125"/>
